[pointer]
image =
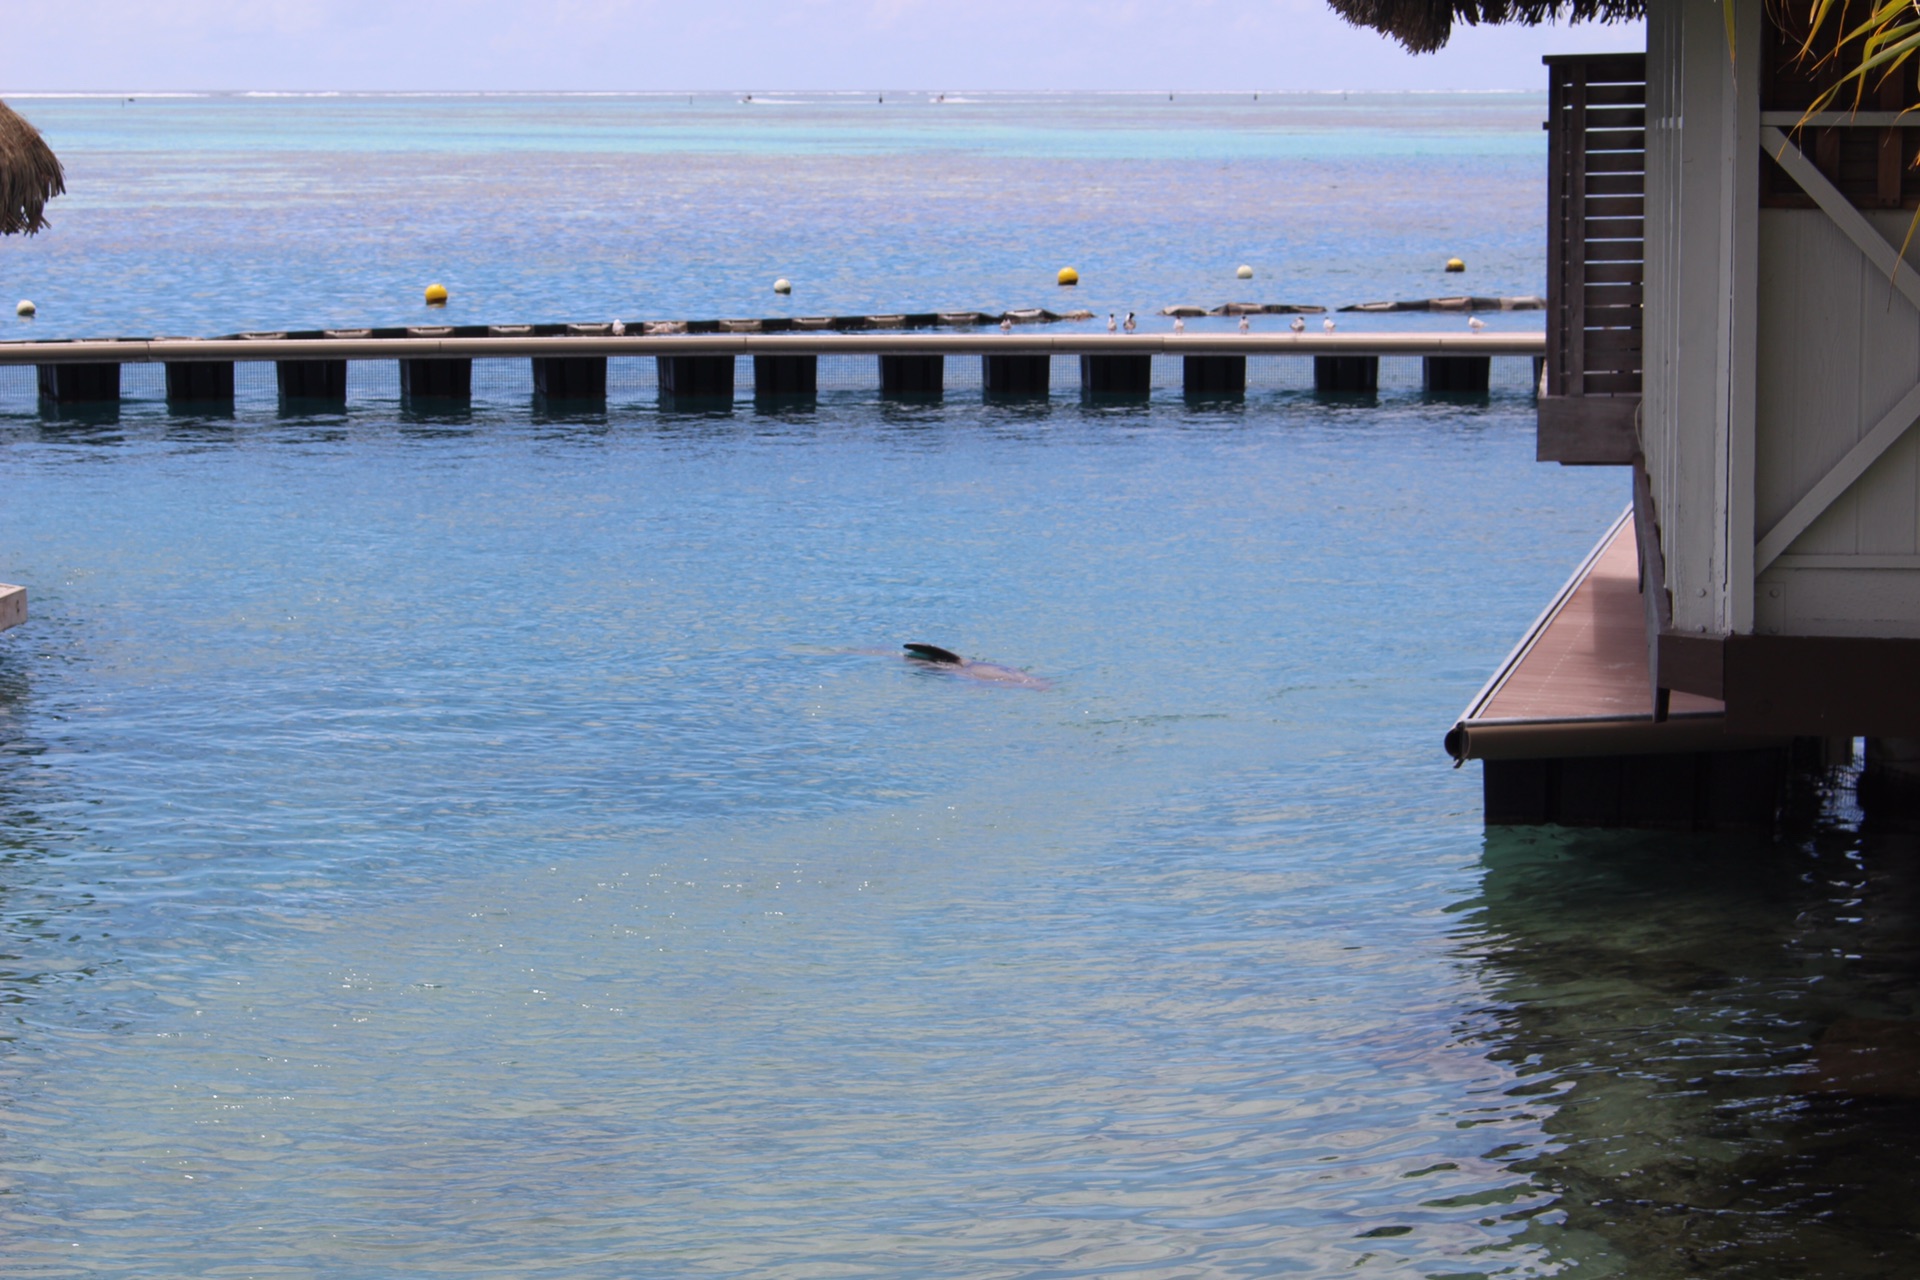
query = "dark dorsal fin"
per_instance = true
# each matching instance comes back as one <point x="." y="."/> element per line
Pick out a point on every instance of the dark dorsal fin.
<point x="934" y="653"/>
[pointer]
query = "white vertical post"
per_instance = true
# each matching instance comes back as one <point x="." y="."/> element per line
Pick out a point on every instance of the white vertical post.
<point x="1688" y="421"/>
<point x="1740" y="200"/>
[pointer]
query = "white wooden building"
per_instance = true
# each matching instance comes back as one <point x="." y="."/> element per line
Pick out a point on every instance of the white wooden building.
<point x="1732" y="323"/>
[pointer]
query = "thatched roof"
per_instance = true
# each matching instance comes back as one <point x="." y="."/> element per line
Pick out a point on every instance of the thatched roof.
<point x="29" y="175"/>
<point x="1424" y="25"/>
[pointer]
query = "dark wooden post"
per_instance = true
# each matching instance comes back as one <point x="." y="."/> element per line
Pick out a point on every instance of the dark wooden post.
<point x="775" y="376"/>
<point x="80" y="383"/>
<point x="570" y="377"/>
<point x="913" y="375"/>
<point x="436" y="378"/>
<point x="312" y="379"/>
<point x="1021" y="375"/>
<point x="1215" y="375"/>
<point x="1130" y="376"/>
<point x="702" y="376"/>
<point x="1346" y="373"/>
<point x="1470" y="374"/>
<point x="200" y="382"/>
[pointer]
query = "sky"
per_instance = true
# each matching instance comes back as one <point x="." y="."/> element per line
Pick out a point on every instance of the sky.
<point x="642" y="45"/>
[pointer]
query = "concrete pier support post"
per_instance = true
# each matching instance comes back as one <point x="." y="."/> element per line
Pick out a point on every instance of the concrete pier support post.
<point x="1890" y="777"/>
<point x="780" y="376"/>
<point x="1021" y="375"/>
<point x="570" y="377"/>
<point x="200" y="382"/>
<point x="80" y="383"/>
<point x="312" y="379"/>
<point x="701" y="376"/>
<point x="1346" y="373"/>
<point x="1116" y="375"/>
<point x="1215" y="375"/>
<point x="913" y="375"/>
<point x="436" y="378"/>
<point x="1467" y="374"/>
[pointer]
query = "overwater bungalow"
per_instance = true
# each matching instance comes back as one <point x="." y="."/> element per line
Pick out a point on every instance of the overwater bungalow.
<point x="1734" y="321"/>
<point x="30" y="175"/>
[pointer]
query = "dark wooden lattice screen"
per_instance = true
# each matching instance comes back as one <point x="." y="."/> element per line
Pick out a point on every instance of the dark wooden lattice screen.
<point x="1596" y="250"/>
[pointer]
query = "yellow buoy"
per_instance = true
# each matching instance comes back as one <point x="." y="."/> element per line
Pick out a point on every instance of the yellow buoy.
<point x="1454" y="264"/>
<point x="436" y="295"/>
<point x="1068" y="276"/>
<point x="25" y="308"/>
<point x="1243" y="272"/>
<point x="783" y="285"/>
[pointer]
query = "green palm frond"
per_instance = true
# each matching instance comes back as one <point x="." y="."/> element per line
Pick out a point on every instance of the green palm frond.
<point x="1871" y="50"/>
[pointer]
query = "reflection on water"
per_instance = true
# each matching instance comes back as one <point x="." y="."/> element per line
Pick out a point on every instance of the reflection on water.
<point x="1692" y="1015"/>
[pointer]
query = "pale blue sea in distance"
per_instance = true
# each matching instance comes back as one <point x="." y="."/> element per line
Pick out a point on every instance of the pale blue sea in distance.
<point x="504" y="842"/>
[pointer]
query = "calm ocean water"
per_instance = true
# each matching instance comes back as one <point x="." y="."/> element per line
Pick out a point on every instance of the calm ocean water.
<point x="503" y="843"/>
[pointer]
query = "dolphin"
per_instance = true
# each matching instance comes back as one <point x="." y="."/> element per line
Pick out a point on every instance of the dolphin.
<point x="932" y="655"/>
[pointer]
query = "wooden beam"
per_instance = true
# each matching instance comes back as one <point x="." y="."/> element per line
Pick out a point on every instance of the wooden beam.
<point x="1587" y="430"/>
<point x="1807" y="686"/>
<point x="1823" y="686"/>
<point x="1852" y="223"/>
<point x="1885" y="434"/>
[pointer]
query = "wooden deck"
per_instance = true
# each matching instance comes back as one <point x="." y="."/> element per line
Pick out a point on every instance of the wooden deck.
<point x="1578" y="684"/>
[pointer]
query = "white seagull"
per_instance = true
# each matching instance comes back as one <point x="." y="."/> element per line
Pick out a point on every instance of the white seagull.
<point x="1297" y="325"/>
<point x="1129" y="326"/>
<point x="1006" y="324"/>
<point x="1327" y="324"/>
<point x="1179" y="325"/>
<point x="1112" y="324"/>
<point x="1475" y="323"/>
<point x="1244" y="325"/>
<point x="619" y="327"/>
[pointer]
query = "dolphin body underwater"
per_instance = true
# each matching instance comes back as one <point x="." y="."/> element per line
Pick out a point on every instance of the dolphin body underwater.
<point x="932" y="655"/>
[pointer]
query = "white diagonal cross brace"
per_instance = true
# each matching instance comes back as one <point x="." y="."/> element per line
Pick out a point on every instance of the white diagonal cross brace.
<point x="1900" y="419"/>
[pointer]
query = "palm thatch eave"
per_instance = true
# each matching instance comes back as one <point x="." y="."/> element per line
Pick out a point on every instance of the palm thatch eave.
<point x="30" y="175"/>
<point x="1425" y="25"/>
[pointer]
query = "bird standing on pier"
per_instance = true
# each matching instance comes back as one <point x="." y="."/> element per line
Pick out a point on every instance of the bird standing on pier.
<point x="1179" y="325"/>
<point x="1475" y="323"/>
<point x="1112" y="324"/>
<point x="1297" y="325"/>
<point x="1327" y="324"/>
<point x="1130" y="325"/>
<point x="1006" y="324"/>
<point x="619" y="327"/>
<point x="1244" y="324"/>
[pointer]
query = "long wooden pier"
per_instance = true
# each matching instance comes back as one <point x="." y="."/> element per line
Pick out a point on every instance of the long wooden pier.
<point x="437" y="363"/>
<point x="422" y="345"/>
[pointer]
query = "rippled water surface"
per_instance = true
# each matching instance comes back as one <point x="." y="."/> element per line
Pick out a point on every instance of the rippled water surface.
<point x="506" y="842"/>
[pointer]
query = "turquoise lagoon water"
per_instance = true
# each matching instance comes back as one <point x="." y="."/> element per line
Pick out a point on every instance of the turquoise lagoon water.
<point x="503" y="843"/>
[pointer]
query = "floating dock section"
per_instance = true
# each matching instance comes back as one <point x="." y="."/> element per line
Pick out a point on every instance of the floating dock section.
<point x="13" y="606"/>
<point x="1569" y="732"/>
